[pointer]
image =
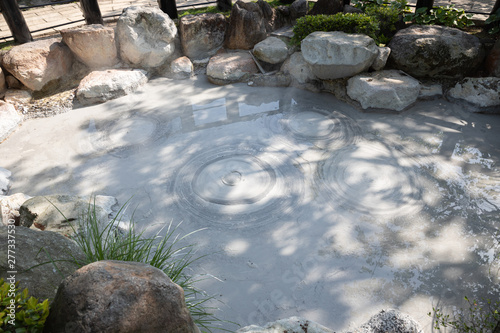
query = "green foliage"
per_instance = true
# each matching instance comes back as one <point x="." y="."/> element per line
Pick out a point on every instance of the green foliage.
<point x="387" y="16"/>
<point x="400" y="5"/>
<point x="478" y="318"/>
<point x="106" y="242"/>
<point x="203" y="10"/>
<point x="30" y="315"/>
<point x="348" y="23"/>
<point x="448" y="16"/>
<point x="494" y="21"/>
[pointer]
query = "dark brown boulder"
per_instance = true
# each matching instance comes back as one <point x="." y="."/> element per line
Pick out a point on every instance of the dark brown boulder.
<point x="248" y="25"/>
<point x="117" y="296"/>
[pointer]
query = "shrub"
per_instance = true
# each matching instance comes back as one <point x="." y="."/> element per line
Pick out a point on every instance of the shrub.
<point x="493" y="22"/>
<point x="480" y="317"/>
<point x="448" y="16"/>
<point x="387" y="17"/>
<point x="348" y="23"/>
<point x="30" y="315"/>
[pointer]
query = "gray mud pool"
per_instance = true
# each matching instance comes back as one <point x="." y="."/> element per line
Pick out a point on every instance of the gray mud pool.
<point x="310" y="207"/>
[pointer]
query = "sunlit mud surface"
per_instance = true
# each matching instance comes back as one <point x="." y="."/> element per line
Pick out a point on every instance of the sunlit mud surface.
<point x="309" y="206"/>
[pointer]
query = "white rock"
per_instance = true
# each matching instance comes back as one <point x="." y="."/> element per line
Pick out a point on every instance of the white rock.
<point x="334" y="55"/>
<point x="232" y="67"/>
<point x="481" y="92"/>
<point x="381" y="59"/>
<point x="145" y="36"/>
<point x="290" y="325"/>
<point x="271" y="50"/>
<point x="181" y="68"/>
<point x="4" y="180"/>
<point x="390" y="89"/>
<point x="100" y="86"/>
<point x="9" y="120"/>
<point x="298" y="68"/>
<point x="17" y="96"/>
<point x="9" y="206"/>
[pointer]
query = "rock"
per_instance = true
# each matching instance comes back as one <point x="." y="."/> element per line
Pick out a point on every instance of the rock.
<point x="298" y="68"/>
<point x="102" y="52"/>
<point x="56" y="212"/>
<point x="42" y="281"/>
<point x="298" y="9"/>
<point x="202" y="35"/>
<point x="271" y="50"/>
<point x="381" y="59"/>
<point x="37" y="63"/>
<point x="117" y="296"/>
<point x="181" y="68"/>
<point x="481" y="93"/>
<point x="101" y="86"/>
<point x="334" y="55"/>
<point x="3" y="83"/>
<point x="435" y="51"/>
<point x="430" y="91"/>
<point x="389" y="89"/>
<point x="327" y="7"/>
<point x="9" y="207"/>
<point x="493" y="60"/>
<point x="391" y="321"/>
<point x="13" y="83"/>
<point x="247" y="26"/>
<point x="10" y="120"/>
<point x="16" y="96"/>
<point x="4" y="179"/>
<point x="290" y="325"/>
<point x="232" y="67"/>
<point x="276" y="80"/>
<point x="145" y="36"/>
<point x="348" y="9"/>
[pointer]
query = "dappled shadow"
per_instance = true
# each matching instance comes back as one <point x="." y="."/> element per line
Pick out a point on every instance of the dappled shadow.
<point x="369" y="212"/>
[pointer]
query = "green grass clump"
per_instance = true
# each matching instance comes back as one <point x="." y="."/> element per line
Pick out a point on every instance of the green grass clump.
<point x="20" y="313"/>
<point x="203" y="10"/>
<point x="348" y="23"/>
<point x="107" y="242"/>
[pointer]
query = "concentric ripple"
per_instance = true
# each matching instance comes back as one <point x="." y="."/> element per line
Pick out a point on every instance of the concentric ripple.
<point x="372" y="178"/>
<point x="238" y="186"/>
<point x="325" y="129"/>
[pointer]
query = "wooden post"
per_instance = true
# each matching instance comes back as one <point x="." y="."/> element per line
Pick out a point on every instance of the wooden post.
<point x="224" y="5"/>
<point x="169" y="7"/>
<point x="15" y="21"/>
<point x="91" y="12"/>
<point x="425" y="3"/>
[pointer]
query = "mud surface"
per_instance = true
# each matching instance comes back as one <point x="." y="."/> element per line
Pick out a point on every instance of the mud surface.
<point x="311" y="207"/>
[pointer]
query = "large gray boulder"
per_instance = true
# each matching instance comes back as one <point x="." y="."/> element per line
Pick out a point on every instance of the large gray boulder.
<point x="389" y="89"/>
<point x="202" y="35"/>
<point x="231" y="67"/>
<point x="37" y="63"/>
<point x="101" y="86"/>
<point x="10" y="205"/>
<point x="334" y="55"/>
<point x="94" y="45"/>
<point x="435" y="51"/>
<point x="36" y="248"/>
<point x="117" y="296"/>
<point x="298" y="69"/>
<point x="181" y="68"/>
<point x="271" y="50"/>
<point x="145" y="36"/>
<point x="60" y="213"/>
<point x="248" y="25"/>
<point x="290" y="325"/>
<point x="480" y="94"/>
<point x="10" y="120"/>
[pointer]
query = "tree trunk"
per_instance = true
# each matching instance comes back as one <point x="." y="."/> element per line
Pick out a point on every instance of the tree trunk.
<point x="91" y="12"/>
<point x="495" y="7"/>
<point x="327" y="7"/>
<point x="224" y="5"/>
<point x="169" y="7"/>
<point x="15" y="21"/>
<point x="425" y="3"/>
<point x="497" y="328"/>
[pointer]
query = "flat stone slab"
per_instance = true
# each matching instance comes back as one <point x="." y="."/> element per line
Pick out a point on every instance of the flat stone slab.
<point x="390" y="89"/>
